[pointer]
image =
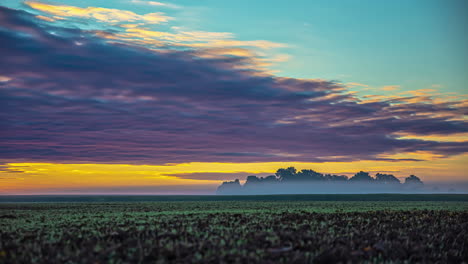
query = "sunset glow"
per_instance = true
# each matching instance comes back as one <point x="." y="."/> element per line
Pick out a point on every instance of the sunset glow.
<point x="145" y="97"/>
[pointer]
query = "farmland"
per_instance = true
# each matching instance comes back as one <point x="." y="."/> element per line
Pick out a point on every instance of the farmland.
<point x="294" y="229"/>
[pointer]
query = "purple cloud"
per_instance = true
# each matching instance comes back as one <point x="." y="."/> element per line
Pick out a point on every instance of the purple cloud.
<point x="72" y="96"/>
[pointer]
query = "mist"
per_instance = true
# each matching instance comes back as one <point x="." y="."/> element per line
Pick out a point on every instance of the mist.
<point x="291" y="181"/>
<point x="342" y="188"/>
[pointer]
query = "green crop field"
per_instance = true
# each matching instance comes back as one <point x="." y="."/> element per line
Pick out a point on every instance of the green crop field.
<point x="288" y="229"/>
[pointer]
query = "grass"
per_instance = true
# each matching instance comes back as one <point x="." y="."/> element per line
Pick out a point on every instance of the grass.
<point x="284" y="197"/>
<point x="235" y="231"/>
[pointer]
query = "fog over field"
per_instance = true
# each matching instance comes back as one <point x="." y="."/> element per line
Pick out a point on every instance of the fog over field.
<point x="291" y="181"/>
<point x="345" y="188"/>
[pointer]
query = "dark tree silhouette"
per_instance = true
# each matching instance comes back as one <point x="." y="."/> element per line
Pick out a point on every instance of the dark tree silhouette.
<point x="362" y="177"/>
<point x="229" y="187"/>
<point x="290" y="179"/>
<point x="386" y="178"/>
<point x="252" y="179"/>
<point x="270" y="179"/>
<point x="286" y="174"/>
<point x="413" y="180"/>
<point x="308" y="175"/>
<point x="335" y="178"/>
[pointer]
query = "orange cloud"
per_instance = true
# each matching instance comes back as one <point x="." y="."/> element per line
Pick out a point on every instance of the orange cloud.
<point x="258" y="55"/>
<point x="198" y="39"/>
<point x="204" y="45"/>
<point x="98" y="13"/>
<point x="262" y="44"/>
<point x="390" y="88"/>
<point x="417" y="155"/>
<point x="353" y="84"/>
<point x="46" y="18"/>
<point x="219" y="52"/>
<point x="460" y="137"/>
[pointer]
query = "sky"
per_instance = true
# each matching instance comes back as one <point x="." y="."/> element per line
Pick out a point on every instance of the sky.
<point x="174" y="97"/>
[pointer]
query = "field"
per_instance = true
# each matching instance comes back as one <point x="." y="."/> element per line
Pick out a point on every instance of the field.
<point x="268" y="229"/>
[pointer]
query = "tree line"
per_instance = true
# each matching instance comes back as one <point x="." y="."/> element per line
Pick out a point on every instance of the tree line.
<point x="291" y="176"/>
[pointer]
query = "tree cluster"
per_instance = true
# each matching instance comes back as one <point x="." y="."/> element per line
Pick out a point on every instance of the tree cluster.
<point x="291" y="175"/>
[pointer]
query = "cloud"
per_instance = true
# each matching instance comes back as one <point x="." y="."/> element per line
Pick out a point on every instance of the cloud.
<point x="154" y="3"/>
<point x="262" y="44"/>
<point x="74" y="96"/>
<point x="98" y="13"/>
<point x="216" y="45"/>
<point x="182" y="36"/>
<point x="4" y="79"/>
<point x="5" y="169"/>
<point x="50" y="19"/>
<point x="435" y="137"/>
<point x="353" y="84"/>
<point x="216" y="176"/>
<point x="390" y="88"/>
<point x="130" y="28"/>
